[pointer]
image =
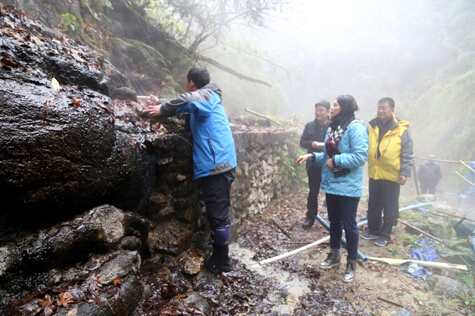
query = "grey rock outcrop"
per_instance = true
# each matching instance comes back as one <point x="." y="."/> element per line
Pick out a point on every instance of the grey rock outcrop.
<point x="63" y="149"/>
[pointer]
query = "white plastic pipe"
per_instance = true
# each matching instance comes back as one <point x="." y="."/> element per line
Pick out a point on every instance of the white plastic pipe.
<point x="293" y="252"/>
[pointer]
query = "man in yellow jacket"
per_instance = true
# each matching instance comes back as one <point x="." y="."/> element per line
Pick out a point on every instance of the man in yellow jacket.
<point x="390" y="160"/>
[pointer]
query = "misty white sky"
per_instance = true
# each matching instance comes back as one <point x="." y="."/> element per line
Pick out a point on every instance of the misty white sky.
<point x="342" y="46"/>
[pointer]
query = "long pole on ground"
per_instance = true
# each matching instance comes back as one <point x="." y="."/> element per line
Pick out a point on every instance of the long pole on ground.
<point x="325" y="239"/>
<point x="295" y="251"/>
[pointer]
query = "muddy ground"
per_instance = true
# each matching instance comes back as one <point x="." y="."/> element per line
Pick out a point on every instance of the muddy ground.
<point x="296" y="286"/>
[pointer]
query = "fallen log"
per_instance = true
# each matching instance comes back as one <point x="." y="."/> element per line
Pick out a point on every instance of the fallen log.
<point x="428" y="264"/>
<point x="295" y="251"/>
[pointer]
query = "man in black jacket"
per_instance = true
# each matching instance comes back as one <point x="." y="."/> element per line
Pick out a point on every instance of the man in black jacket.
<point x="312" y="139"/>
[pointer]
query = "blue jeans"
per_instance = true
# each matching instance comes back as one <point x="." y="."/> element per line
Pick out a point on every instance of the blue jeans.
<point x="342" y="214"/>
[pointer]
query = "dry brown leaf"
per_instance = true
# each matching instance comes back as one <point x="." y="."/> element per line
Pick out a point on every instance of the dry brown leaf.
<point x="53" y="50"/>
<point x="72" y="312"/>
<point x="37" y="40"/>
<point x="76" y="102"/>
<point x="65" y="298"/>
<point x="9" y="23"/>
<point x="48" y="102"/>
<point x="12" y="34"/>
<point x="117" y="281"/>
<point x="78" y="58"/>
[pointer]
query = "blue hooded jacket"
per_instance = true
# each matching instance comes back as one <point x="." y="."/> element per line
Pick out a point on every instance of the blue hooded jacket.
<point x="213" y="144"/>
<point x="353" y="147"/>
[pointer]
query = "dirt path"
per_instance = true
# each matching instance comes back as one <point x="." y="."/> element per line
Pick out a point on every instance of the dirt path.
<point x="310" y="291"/>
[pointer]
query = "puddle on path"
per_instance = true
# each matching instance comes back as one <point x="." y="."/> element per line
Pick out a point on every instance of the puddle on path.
<point x="294" y="284"/>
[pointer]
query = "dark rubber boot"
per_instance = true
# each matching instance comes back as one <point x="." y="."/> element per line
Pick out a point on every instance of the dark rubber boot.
<point x="219" y="261"/>
<point x="350" y="271"/>
<point x="308" y="222"/>
<point x="333" y="259"/>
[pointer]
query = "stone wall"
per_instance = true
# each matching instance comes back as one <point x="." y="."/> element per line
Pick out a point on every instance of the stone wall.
<point x="176" y="207"/>
<point x="261" y="174"/>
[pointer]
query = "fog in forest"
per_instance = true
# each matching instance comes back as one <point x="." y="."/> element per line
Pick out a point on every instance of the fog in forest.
<point x="420" y="53"/>
<point x="370" y="49"/>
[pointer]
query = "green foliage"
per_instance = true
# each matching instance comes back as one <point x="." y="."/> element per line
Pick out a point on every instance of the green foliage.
<point x="97" y="6"/>
<point x="191" y="22"/>
<point x="71" y="25"/>
<point x="468" y="301"/>
<point x="153" y="60"/>
<point x="468" y="278"/>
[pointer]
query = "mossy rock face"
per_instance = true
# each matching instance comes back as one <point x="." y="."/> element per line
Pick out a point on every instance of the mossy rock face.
<point x="456" y="257"/>
<point x="442" y="207"/>
<point x="441" y="228"/>
<point x="437" y="227"/>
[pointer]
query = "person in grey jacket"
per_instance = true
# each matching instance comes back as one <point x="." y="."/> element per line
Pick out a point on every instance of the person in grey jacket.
<point x="346" y="150"/>
<point x="429" y="175"/>
<point x="312" y="139"/>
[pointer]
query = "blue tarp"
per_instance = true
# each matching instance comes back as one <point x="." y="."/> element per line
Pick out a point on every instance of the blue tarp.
<point x="427" y="253"/>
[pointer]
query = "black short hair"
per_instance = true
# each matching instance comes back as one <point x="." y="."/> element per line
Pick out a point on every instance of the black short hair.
<point x="199" y="75"/>
<point x="323" y="103"/>
<point x="389" y="101"/>
<point x="347" y="104"/>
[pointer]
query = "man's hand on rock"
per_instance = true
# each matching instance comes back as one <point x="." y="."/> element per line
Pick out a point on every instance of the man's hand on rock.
<point x="153" y="110"/>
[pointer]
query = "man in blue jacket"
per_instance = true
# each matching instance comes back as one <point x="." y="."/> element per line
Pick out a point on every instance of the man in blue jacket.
<point x="214" y="155"/>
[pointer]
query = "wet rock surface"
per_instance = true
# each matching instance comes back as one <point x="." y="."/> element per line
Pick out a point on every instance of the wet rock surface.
<point x="66" y="145"/>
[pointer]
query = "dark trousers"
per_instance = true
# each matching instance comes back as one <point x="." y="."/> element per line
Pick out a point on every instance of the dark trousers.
<point x="383" y="198"/>
<point x="427" y="187"/>
<point x="217" y="196"/>
<point x="314" y="181"/>
<point x="342" y="214"/>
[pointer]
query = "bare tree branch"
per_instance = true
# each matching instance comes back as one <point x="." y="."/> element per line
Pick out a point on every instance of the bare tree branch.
<point x="233" y="72"/>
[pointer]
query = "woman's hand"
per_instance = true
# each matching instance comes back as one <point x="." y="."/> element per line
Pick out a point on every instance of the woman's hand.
<point x="329" y="164"/>
<point x="302" y="159"/>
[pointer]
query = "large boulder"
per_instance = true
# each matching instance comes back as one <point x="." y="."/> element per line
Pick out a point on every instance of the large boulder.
<point x="66" y="146"/>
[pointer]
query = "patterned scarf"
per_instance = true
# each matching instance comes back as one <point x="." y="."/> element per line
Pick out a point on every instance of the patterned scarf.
<point x="337" y="127"/>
